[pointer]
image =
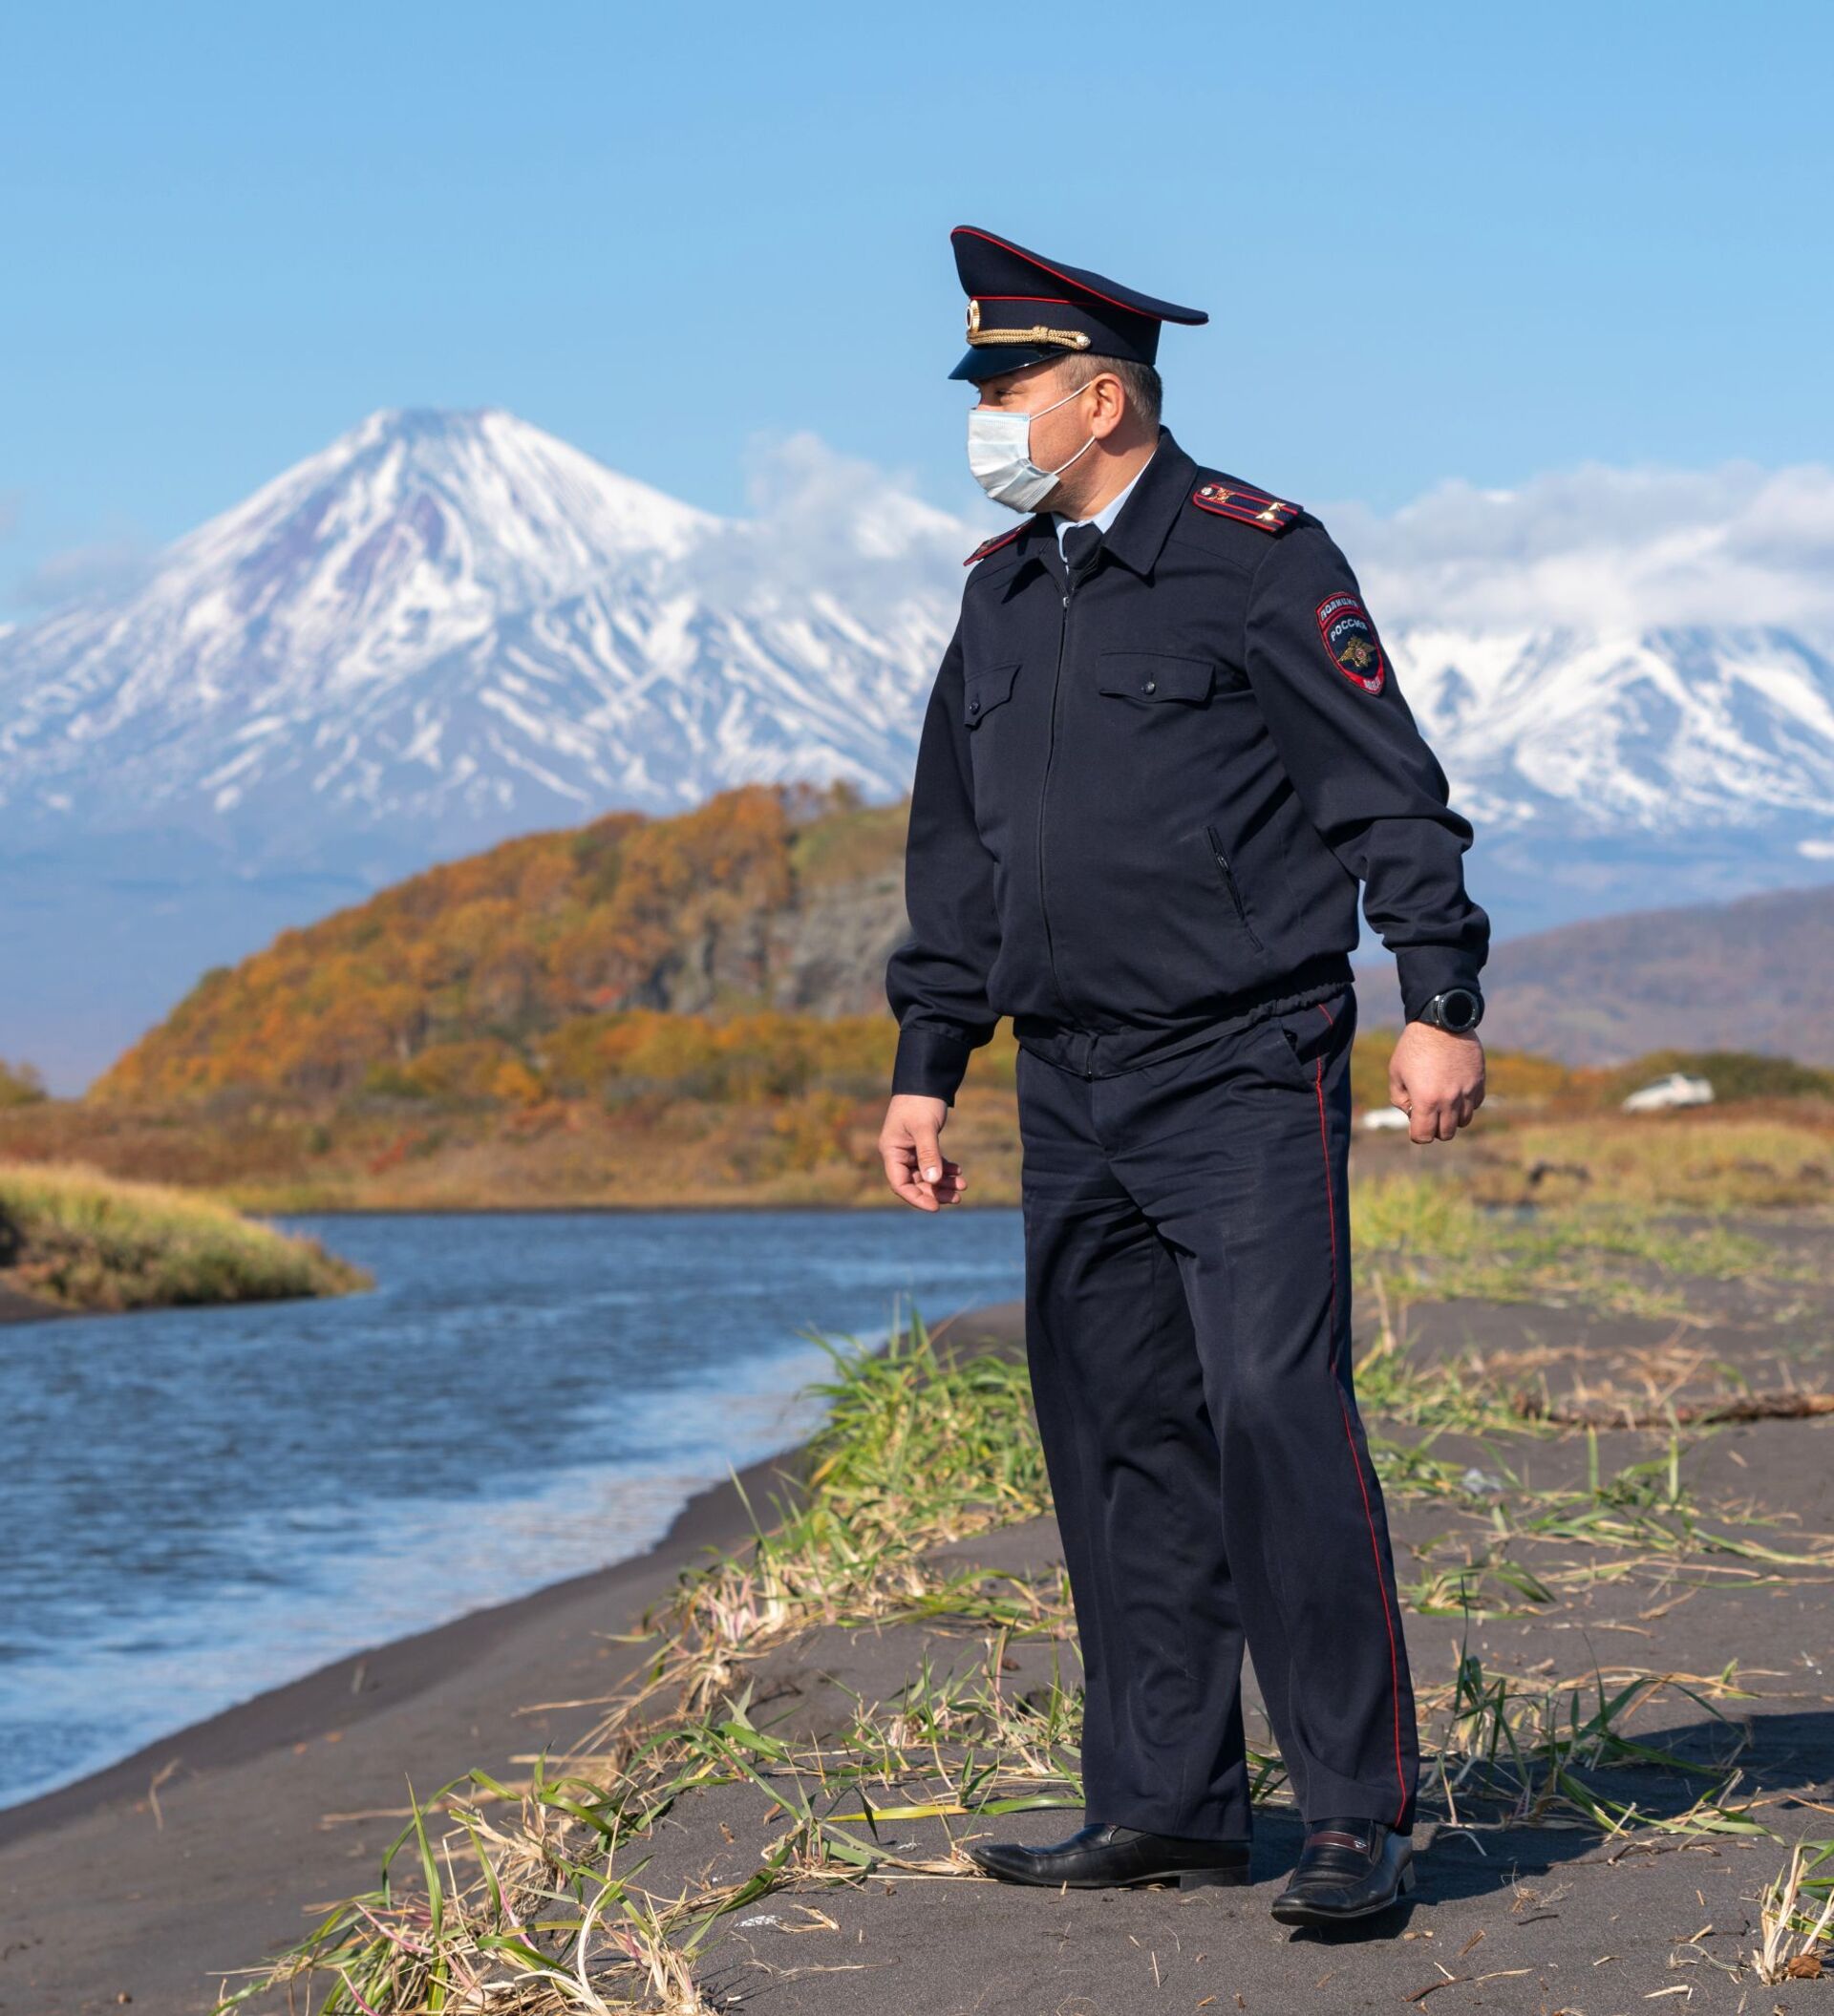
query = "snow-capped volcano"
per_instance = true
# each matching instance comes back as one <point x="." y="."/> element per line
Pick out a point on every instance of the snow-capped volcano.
<point x="450" y="627"/>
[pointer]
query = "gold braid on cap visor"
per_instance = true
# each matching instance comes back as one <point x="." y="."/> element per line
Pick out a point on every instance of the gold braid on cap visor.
<point x="1063" y="339"/>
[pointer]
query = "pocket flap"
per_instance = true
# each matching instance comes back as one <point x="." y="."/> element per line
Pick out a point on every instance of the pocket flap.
<point x="986" y="688"/>
<point x="1152" y="675"/>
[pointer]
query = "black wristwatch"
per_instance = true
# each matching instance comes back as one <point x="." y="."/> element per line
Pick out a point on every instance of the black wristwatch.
<point x="1458" y="1009"/>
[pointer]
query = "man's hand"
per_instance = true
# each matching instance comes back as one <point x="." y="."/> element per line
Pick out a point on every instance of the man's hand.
<point x="915" y="1165"/>
<point x="1437" y="1079"/>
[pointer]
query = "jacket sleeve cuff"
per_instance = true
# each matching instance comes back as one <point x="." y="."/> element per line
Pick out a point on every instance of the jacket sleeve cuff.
<point x="1426" y="970"/>
<point x="929" y="1063"/>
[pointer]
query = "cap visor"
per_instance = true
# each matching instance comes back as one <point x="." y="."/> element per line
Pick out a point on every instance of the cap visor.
<point x="990" y="360"/>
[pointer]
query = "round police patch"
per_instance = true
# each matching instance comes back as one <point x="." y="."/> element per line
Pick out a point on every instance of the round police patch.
<point x="1351" y="642"/>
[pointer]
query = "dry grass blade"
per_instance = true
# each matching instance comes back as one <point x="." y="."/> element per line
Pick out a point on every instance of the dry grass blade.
<point x="1792" y="1939"/>
<point x="1687" y="1413"/>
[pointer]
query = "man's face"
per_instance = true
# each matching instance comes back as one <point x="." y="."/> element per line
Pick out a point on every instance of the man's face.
<point x="1055" y="436"/>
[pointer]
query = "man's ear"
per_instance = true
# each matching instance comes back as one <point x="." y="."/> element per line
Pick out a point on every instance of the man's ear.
<point x="1111" y="404"/>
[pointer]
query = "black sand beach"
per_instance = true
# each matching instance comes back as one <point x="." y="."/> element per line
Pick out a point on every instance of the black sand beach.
<point x="203" y="1853"/>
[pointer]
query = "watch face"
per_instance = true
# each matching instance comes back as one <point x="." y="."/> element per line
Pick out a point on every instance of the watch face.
<point x="1459" y="1009"/>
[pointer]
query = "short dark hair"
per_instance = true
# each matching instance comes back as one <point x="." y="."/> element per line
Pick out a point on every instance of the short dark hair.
<point x="1142" y="383"/>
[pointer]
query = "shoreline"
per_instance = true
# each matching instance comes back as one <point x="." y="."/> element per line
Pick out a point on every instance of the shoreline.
<point x="221" y="1834"/>
<point x="18" y="1306"/>
<point x="396" y="1669"/>
<point x="392" y="1671"/>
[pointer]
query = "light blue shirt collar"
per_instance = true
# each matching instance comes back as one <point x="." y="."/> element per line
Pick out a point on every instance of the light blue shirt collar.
<point x="1105" y="517"/>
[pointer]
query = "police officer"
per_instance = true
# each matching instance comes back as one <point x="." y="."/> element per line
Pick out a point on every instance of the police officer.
<point x="1165" y="747"/>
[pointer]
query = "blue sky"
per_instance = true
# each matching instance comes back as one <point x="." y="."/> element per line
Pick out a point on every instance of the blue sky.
<point x="1435" y="240"/>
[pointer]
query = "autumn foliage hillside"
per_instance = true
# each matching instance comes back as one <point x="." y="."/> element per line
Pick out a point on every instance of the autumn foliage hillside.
<point x="691" y="1010"/>
<point x="557" y="960"/>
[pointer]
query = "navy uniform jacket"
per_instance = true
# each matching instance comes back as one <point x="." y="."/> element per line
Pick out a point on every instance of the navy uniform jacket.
<point x="1146" y="795"/>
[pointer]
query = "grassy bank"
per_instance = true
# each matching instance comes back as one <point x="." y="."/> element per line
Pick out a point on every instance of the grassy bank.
<point x="75" y="1238"/>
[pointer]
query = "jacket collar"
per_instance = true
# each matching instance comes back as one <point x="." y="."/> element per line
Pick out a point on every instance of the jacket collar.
<point x="1038" y="537"/>
<point x="1142" y="524"/>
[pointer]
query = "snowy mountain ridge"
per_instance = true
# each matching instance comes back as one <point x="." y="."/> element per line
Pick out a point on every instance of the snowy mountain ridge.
<point x="1663" y="732"/>
<point x="446" y="628"/>
<point x="450" y="625"/>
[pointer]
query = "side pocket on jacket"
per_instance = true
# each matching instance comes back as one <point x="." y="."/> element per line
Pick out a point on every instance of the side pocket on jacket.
<point x="1230" y="886"/>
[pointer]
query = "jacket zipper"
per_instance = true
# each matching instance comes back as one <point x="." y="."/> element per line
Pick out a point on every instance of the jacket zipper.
<point x="1228" y="882"/>
<point x="1044" y="785"/>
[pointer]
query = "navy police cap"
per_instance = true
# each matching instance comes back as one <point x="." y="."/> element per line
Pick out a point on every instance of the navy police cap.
<point x="1022" y="309"/>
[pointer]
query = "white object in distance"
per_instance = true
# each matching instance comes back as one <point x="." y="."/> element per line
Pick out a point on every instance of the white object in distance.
<point x="1677" y="1088"/>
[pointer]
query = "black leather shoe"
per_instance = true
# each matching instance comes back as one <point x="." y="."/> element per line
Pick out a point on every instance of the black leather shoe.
<point x="1099" y="1857"/>
<point x="1347" y="1869"/>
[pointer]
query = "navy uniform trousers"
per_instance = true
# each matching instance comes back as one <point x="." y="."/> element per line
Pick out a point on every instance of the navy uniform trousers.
<point x="1187" y="1327"/>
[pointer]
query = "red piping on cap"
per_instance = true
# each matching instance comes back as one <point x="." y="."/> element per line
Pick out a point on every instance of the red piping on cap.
<point x="987" y="237"/>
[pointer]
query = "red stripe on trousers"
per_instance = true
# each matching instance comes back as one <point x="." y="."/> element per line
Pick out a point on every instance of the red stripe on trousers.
<point x="1356" y="1463"/>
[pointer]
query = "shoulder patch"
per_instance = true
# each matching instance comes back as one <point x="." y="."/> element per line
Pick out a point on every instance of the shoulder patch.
<point x="1245" y="504"/>
<point x="1351" y="642"/>
<point x="992" y="545"/>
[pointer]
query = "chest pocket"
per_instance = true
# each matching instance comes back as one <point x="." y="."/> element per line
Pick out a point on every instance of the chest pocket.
<point x="985" y="689"/>
<point x="1152" y="677"/>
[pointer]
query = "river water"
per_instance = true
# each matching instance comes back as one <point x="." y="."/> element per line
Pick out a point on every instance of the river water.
<point x="200" y="1504"/>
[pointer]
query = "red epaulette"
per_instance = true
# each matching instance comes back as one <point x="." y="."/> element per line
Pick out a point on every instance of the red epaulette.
<point x="1245" y="504"/>
<point x="987" y="546"/>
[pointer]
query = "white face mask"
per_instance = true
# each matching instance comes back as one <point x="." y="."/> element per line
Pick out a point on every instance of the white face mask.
<point x="999" y="453"/>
